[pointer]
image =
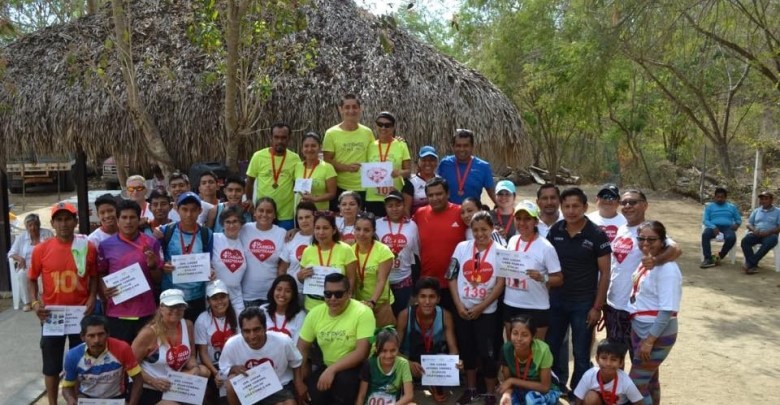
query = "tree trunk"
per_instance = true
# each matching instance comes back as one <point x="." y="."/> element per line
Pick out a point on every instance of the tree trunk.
<point x="724" y="159"/>
<point x="91" y="6"/>
<point x="153" y="141"/>
<point x="232" y="137"/>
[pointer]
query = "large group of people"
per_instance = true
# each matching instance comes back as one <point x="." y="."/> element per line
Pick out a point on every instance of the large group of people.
<point x="405" y="270"/>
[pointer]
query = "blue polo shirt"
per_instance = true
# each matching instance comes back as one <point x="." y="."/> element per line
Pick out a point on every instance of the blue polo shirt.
<point x="765" y="220"/>
<point x="479" y="176"/>
<point x="579" y="260"/>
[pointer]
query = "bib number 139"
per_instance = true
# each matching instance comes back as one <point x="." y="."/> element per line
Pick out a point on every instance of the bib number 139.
<point x="474" y="292"/>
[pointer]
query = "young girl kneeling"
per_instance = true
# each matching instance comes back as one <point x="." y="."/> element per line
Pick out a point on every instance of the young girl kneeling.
<point x="386" y="377"/>
<point x="525" y="365"/>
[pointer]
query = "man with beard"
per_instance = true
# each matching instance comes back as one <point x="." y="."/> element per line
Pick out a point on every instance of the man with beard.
<point x="271" y="173"/>
<point x="548" y="199"/>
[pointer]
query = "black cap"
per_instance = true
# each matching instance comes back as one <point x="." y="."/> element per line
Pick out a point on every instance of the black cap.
<point x="608" y="192"/>
<point x="394" y="195"/>
<point x="387" y="115"/>
<point x="766" y="194"/>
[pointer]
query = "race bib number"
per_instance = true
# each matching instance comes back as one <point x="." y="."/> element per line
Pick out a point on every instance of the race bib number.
<point x="381" y="398"/>
<point x="472" y="292"/>
<point x="517" y="283"/>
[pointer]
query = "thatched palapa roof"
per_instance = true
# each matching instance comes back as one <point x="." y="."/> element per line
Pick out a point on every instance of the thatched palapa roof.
<point x="51" y="98"/>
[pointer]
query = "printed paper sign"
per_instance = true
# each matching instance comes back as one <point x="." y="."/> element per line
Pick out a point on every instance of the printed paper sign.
<point x="302" y="186"/>
<point x="376" y="174"/>
<point x="315" y="285"/>
<point x="98" y="401"/>
<point x="510" y="263"/>
<point x="186" y="388"/>
<point x="440" y="369"/>
<point x="258" y="383"/>
<point x="63" y="320"/>
<point x="130" y="282"/>
<point x="191" y="268"/>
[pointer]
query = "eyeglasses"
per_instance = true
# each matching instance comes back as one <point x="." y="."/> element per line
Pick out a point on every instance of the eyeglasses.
<point x="384" y="124"/>
<point x="232" y="222"/>
<point x="650" y="239"/>
<point x="630" y="203"/>
<point x="135" y="188"/>
<point x="336" y="294"/>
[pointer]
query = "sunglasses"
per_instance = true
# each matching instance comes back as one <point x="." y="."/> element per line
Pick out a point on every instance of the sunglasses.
<point x="366" y="215"/>
<point x="629" y="203"/>
<point x="384" y="124"/>
<point x="136" y="188"/>
<point x="337" y="294"/>
<point x="648" y="239"/>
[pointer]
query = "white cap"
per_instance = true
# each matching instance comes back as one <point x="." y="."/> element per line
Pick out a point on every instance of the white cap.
<point x="216" y="287"/>
<point x="172" y="297"/>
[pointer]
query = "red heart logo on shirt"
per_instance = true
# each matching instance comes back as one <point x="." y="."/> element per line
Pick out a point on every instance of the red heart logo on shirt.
<point x="396" y="242"/>
<point x="348" y="238"/>
<point x="480" y="275"/>
<point x="232" y="258"/>
<point x="262" y="249"/>
<point x="611" y="231"/>
<point x="299" y="251"/>
<point x="256" y="362"/>
<point x="621" y="247"/>
<point x="177" y="356"/>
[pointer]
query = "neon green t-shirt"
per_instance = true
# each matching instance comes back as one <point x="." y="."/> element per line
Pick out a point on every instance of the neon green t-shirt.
<point x="337" y="336"/>
<point x="348" y="147"/>
<point x="261" y="169"/>
<point x="367" y="282"/>
<point x="341" y="257"/>
<point x="397" y="153"/>
<point x="323" y="172"/>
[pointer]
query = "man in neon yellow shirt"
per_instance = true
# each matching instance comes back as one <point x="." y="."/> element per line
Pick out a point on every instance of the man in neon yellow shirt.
<point x="274" y="169"/>
<point x="345" y="146"/>
<point x="341" y="328"/>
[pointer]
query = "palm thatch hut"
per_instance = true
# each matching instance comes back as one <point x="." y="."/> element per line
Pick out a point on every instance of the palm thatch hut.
<point x="52" y="99"/>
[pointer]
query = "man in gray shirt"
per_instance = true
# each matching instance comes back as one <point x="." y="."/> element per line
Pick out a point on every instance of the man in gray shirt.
<point x="763" y="227"/>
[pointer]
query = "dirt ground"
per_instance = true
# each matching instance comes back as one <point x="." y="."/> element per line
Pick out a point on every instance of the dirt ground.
<point x="728" y="348"/>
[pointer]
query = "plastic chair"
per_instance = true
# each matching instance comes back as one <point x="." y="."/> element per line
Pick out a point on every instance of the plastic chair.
<point x="732" y="256"/>
<point x="15" y="292"/>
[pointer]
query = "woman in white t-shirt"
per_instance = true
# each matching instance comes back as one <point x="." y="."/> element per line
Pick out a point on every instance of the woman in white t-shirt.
<point x="213" y="328"/>
<point x="475" y="290"/>
<point x="228" y="257"/>
<point x="283" y="312"/>
<point x="350" y="204"/>
<point x="292" y="251"/>
<point x="655" y="301"/>
<point x="262" y="241"/>
<point x="400" y="235"/>
<point x="528" y="294"/>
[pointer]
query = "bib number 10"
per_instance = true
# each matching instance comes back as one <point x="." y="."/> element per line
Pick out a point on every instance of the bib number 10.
<point x="64" y="282"/>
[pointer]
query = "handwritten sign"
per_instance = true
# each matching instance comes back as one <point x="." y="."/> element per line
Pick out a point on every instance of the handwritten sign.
<point x="302" y="186"/>
<point x="510" y="263"/>
<point x="191" y="268"/>
<point x="315" y="285"/>
<point x="63" y="320"/>
<point x="130" y="282"/>
<point x="440" y="369"/>
<point x="376" y="174"/>
<point x="258" y="383"/>
<point x="185" y="388"/>
<point x="98" y="401"/>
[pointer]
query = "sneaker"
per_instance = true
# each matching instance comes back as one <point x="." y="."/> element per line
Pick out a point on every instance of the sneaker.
<point x="707" y="263"/>
<point x="469" y="396"/>
<point x="439" y="395"/>
<point x="489" y="400"/>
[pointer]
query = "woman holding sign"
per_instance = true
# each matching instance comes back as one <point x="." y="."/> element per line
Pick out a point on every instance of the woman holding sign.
<point x="527" y="294"/>
<point x="212" y="329"/>
<point x="327" y="252"/>
<point x="165" y="346"/>
<point x="315" y="179"/>
<point x="475" y="288"/>
<point x="387" y="149"/>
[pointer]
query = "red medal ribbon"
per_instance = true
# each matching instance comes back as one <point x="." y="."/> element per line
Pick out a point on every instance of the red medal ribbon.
<point x="501" y="223"/>
<point x="330" y="254"/>
<point x="427" y="333"/>
<point x="527" y="246"/>
<point x="383" y="157"/>
<point x="528" y="362"/>
<point x="308" y="176"/>
<point x="278" y="329"/>
<point x="609" y="397"/>
<point x="478" y="261"/>
<point x="462" y="178"/>
<point x="639" y="275"/>
<point x="142" y="247"/>
<point x="362" y="268"/>
<point x="186" y="249"/>
<point x="277" y="173"/>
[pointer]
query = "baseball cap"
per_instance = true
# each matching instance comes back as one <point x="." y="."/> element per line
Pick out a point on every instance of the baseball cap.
<point x="189" y="195"/>
<point x="766" y="194"/>
<point x="608" y="192"/>
<point x="394" y="195"/>
<point x="63" y="206"/>
<point x="172" y="297"/>
<point x="506" y="185"/>
<point x="386" y="115"/>
<point x="528" y="207"/>
<point x="216" y="287"/>
<point x="428" y="150"/>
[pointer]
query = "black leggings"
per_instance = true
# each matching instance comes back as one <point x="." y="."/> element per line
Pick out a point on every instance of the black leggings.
<point x="343" y="390"/>
<point x="476" y="341"/>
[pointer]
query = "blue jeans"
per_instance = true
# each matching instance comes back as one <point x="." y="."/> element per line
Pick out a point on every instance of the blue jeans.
<point x="729" y="240"/>
<point x="287" y="224"/>
<point x="767" y="243"/>
<point x="574" y="314"/>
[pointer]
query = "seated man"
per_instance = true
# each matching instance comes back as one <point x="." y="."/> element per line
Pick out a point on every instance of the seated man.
<point x="763" y="227"/>
<point x="99" y="367"/>
<point x="720" y="216"/>
<point x="255" y="347"/>
<point x="341" y="329"/>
